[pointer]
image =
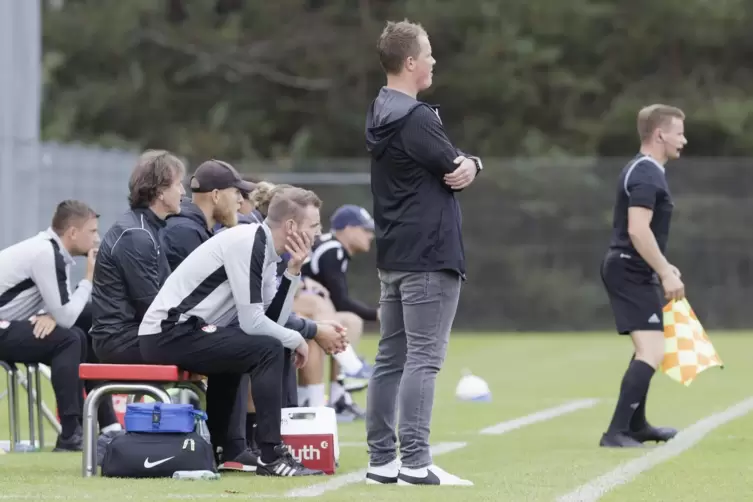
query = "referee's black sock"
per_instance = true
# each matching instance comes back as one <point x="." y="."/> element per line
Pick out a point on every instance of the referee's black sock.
<point x="639" y="422"/>
<point x="632" y="393"/>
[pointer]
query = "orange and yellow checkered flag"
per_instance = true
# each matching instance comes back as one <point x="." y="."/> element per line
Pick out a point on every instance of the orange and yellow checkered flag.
<point x="687" y="350"/>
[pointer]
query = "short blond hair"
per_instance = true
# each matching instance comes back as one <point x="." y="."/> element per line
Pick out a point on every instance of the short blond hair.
<point x="398" y="41"/>
<point x="652" y="117"/>
<point x="289" y="202"/>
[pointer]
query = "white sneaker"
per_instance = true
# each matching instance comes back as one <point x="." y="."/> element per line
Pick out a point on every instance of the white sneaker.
<point x="384" y="474"/>
<point x="432" y="475"/>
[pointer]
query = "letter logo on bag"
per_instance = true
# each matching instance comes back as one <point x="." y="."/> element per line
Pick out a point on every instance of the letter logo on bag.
<point x="149" y="465"/>
<point x="190" y="442"/>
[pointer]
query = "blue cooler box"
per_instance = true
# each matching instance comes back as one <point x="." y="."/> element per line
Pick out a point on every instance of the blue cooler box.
<point x="162" y="417"/>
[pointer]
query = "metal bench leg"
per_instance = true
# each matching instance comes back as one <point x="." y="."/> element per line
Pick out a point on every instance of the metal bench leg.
<point x="91" y="405"/>
<point x="30" y="405"/>
<point x="9" y="372"/>
<point x="38" y="399"/>
<point x="197" y="391"/>
<point x="15" y="436"/>
<point x="48" y="414"/>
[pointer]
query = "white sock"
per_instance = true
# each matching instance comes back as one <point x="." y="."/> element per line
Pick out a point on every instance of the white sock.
<point x="304" y="393"/>
<point x="336" y="391"/>
<point x="112" y="427"/>
<point x="316" y="395"/>
<point x="349" y="361"/>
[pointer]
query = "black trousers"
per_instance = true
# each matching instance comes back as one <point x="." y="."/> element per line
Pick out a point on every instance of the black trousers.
<point x="224" y="356"/>
<point x="62" y="351"/>
<point x="106" y="412"/>
<point x="236" y="440"/>
<point x="118" y="349"/>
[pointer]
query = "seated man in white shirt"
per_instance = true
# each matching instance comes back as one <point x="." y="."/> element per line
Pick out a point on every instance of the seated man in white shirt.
<point x="234" y="274"/>
<point x="34" y="277"/>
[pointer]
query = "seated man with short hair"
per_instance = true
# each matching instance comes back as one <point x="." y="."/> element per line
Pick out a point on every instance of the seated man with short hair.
<point x="34" y="277"/>
<point x="231" y="275"/>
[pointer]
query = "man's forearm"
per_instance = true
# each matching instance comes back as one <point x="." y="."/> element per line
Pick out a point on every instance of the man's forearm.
<point x="645" y="243"/>
<point x="305" y="327"/>
<point x="253" y="321"/>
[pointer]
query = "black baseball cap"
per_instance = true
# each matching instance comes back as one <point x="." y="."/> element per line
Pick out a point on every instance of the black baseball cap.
<point x="218" y="175"/>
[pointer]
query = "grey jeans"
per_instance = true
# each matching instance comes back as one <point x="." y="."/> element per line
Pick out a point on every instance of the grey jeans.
<point x="417" y="311"/>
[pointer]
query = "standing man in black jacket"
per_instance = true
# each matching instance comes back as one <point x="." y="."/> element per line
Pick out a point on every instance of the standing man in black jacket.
<point x="131" y="265"/>
<point x="415" y="172"/>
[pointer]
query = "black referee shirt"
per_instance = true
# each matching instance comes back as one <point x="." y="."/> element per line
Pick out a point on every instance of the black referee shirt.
<point x="642" y="183"/>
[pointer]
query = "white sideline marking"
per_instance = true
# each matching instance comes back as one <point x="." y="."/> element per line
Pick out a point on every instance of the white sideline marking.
<point x="360" y="475"/>
<point x="624" y="473"/>
<point x="500" y="428"/>
<point x="540" y="416"/>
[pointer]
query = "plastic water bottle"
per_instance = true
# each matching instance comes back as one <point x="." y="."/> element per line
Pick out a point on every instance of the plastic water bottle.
<point x="192" y="475"/>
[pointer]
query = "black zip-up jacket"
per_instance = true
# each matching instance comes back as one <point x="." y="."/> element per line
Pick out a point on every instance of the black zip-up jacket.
<point x="186" y="231"/>
<point x="416" y="215"/>
<point x="129" y="271"/>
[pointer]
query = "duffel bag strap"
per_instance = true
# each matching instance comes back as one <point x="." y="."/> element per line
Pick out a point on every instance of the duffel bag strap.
<point x="156" y="416"/>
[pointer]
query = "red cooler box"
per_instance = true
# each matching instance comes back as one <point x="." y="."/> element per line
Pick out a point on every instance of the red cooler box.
<point x="311" y="434"/>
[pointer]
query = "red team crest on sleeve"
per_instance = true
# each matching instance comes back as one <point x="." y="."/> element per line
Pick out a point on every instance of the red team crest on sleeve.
<point x="209" y="328"/>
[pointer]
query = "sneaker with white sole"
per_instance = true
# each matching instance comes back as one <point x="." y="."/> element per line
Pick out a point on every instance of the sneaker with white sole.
<point x="432" y="475"/>
<point x="384" y="474"/>
<point x="246" y="461"/>
<point x="285" y="465"/>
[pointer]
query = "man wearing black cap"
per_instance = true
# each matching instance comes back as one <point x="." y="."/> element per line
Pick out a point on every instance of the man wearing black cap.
<point x="216" y="197"/>
<point x="352" y="230"/>
<point x="217" y="188"/>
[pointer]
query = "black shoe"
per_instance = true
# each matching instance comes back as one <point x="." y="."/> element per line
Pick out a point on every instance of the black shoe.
<point x="73" y="443"/>
<point x="347" y="411"/>
<point x="247" y="461"/>
<point x="651" y="433"/>
<point x="619" y="440"/>
<point x="285" y="465"/>
<point x="103" y="440"/>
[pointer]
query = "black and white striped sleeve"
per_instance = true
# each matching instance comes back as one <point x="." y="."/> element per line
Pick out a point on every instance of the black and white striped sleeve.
<point x="246" y="267"/>
<point x="50" y="275"/>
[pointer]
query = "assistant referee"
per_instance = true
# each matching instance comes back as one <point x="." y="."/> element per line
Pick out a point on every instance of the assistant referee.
<point x="638" y="278"/>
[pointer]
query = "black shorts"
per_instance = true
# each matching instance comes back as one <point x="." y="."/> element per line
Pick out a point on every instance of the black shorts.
<point x="635" y="294"/>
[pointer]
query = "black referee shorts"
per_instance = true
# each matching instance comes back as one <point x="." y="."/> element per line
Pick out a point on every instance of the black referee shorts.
<point x="635" y="294"/>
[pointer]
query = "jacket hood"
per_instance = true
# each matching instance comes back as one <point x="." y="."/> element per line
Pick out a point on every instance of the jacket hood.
<point x="191" y="211"/>
<point x="385" y="118"/>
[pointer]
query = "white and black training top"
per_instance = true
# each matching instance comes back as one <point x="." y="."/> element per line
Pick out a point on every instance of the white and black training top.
<point x="232" y="274"/>
<point x="34" y="277"/>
